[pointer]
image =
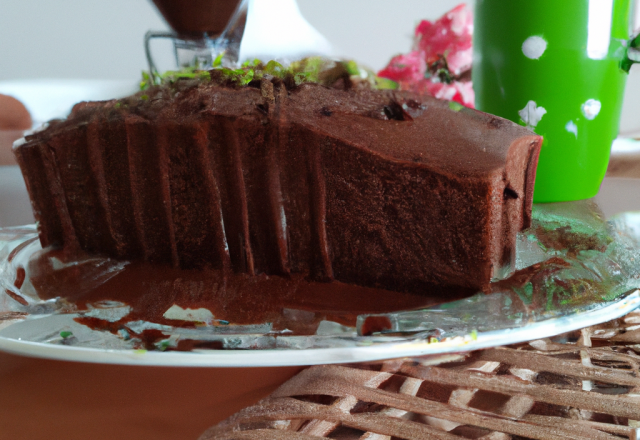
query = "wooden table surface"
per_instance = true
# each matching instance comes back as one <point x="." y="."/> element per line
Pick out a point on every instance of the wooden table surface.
<point x="624" y="165"/>
<point x="53" y="400"/>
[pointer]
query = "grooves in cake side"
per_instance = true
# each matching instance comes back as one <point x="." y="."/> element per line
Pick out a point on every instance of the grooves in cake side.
<point x="376" y="188"/>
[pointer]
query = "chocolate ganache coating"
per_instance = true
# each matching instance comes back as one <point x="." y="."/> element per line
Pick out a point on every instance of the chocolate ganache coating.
<point x="376" y="188"/>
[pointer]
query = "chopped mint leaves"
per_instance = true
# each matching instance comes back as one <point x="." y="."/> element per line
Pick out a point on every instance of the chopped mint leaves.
<point x="65" y="334"/>
<point x="146" y="82"/>
<point x="352" y="67"/>
<point x="455" y="106"/>
<point x="251" y="63"/>
<point x="164" y="345"/>
<point x="525" y="293"/>
<point x="171" y="77"/>
<point x="274" y="68"/>
<point x="308" y="70"/>
<point x="218" y="61"/>
<point x="385" y="84"/>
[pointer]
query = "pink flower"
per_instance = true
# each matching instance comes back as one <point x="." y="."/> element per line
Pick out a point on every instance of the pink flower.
<point x="442" y="52"/>
<point x="449" y="37"/>
<point x="457" y="91"/>
<point x="410" y="67"/>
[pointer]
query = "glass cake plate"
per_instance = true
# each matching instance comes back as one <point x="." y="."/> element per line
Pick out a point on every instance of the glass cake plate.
<point x="572" y="269"/>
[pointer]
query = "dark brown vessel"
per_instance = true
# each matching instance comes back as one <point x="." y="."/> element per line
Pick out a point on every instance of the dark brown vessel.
<point x="376" y="188"/>
<point x="192" y="18"/>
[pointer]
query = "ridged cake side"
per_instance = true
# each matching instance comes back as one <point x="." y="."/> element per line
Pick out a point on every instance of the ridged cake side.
<point x="372" y="188"/>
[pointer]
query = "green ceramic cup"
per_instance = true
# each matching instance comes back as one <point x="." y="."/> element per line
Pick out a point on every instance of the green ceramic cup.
<point x="558" y="67"/>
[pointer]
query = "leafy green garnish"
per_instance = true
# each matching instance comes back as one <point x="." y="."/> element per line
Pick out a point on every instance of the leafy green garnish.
<point x="455" y="106"/>
<point x="146" y="82"/>
<point x="308" y="70"/>
<point x="218" y="61"/>
<point x="65" y="334"/>
<point x="172" y="76"/>
<point x="275" y="68"/>
<point x="164" y="345"/>
<point x="385" y="84"/>
<point x="525" y="293"/>
<point x="250" y="63"/>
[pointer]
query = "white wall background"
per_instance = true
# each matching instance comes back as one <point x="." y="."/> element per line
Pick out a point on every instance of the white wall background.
<point x="103" y="39"/>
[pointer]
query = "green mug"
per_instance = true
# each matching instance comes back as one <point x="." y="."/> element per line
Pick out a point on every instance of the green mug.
<point x="560" y="68"/>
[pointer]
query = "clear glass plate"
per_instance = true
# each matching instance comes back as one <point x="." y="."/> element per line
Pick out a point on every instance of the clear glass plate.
<point x="573" y="269"/>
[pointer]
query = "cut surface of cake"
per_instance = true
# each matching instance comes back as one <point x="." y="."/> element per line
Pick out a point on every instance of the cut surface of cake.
<point x="376" y="188"/>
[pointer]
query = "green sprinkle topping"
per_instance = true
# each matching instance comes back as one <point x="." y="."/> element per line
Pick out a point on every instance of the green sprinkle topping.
<point x="65" y="334"/>
<point x="146" y="81"/>
<point x="455" y="106"/>
<point x="275" y="68"/>
<point x="352" y="67"/>
<point x="218" y="61"/>
<point x="385" y="84"/>
<point x="308" y="70"/>
<point x="171" y="76"/>
<point x="251" y="63"/>
<point x="525" y="293"/>
<point x="474" y="334"/>
<point x="144" y="97"/>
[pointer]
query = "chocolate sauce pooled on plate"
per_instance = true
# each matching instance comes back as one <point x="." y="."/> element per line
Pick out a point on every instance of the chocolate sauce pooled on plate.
<point x="286" y="188"/>
<point x="233" y="298"/>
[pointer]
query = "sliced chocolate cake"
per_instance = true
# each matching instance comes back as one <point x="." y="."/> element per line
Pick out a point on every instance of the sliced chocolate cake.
<point x="377" y="188"/>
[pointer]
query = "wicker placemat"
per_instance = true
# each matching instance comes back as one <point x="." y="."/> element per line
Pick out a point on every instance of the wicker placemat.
<point x="580" y="385"/>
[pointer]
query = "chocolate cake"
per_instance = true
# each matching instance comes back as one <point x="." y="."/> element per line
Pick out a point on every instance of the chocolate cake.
<point x="376" y="188"/>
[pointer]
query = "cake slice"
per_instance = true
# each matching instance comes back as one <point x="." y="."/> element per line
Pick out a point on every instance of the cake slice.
<point x="376" y="188"/>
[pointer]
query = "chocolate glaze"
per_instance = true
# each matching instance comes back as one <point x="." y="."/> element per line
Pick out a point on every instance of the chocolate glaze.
<point x="192" y="18"/>
<point x="381" y="189"/>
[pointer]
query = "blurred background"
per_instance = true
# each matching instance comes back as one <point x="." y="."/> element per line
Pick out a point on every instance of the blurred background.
<point x="83" y="39"/>
<point x="103" y="39"/>
<point x="80" y="39"/>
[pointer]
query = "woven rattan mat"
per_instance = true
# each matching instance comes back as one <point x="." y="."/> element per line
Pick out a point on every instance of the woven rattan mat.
<point x="580" y="385"/>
